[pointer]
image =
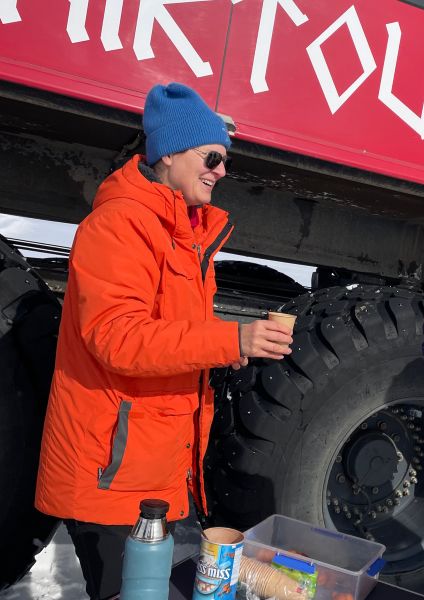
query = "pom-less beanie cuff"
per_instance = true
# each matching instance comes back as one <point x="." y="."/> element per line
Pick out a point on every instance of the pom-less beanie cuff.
<point x="176" y="118"/>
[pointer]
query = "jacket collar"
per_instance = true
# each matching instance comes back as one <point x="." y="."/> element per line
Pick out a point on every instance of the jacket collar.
<point x="139" y="182"/>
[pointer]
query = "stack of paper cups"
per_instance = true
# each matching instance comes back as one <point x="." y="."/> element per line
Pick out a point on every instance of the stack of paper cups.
<point x="267" y="582"/>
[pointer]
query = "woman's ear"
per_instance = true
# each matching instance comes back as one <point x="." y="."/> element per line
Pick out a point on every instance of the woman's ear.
<point x="167" y="160"/>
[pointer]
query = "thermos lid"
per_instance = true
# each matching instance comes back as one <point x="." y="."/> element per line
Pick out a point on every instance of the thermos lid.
<point x="153" y="508"/>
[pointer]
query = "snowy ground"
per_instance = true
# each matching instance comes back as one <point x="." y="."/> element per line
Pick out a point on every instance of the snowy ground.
<point x="57" y="575"/>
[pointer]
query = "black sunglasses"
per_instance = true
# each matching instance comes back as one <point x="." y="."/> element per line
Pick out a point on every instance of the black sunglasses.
<point x="213" y="158"/>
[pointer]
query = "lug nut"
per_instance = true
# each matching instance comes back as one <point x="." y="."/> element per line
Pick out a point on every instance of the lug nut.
<point x="412" y="472"/>
<point x="414" y="480"/>
<point x="375" y="490"/>
<point x="398" y="493"/>
<point x="406" y="492"/>
<point x="406" y="484"/>
<point x="396" y="437"/>
<point x="364" y="425"/>
<point x="396" y="501"/>
<point x="389" y="502"/>
<point x="340" y="478"/>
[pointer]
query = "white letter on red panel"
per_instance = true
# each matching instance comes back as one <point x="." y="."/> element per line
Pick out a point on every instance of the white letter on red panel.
<point x="154" y="10"/>
<point x="76" y="21"/>
<point x="351" y="19"/>
<point x="263" y="42"/>
<point x="111" y="22"/>
<point x="9" y="12"/>
<point x="385" y="94"/>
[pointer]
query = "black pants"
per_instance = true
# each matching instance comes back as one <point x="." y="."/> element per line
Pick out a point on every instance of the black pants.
<point x="100" y="550"/>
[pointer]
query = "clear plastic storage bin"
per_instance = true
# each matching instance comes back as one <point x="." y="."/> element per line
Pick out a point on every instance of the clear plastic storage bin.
<point x="347" y="567"/>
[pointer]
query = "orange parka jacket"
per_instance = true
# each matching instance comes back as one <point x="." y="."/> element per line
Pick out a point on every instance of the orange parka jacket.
<point x="130" y="408"/>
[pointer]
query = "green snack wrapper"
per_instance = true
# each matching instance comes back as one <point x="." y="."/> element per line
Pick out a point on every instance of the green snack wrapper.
<point x="303" y="572"/>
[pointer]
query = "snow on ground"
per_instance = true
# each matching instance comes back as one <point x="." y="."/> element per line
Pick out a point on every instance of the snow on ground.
<point x="57" y="574"/>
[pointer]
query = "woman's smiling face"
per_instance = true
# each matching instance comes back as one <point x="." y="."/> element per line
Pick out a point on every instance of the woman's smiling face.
<point x="186" y="171"/>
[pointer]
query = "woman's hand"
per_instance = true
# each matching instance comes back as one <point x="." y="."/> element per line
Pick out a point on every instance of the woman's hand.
<point x="265" y="339"/>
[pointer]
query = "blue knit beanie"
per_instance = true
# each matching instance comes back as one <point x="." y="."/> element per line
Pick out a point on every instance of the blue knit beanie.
<point x="176" y="118"/>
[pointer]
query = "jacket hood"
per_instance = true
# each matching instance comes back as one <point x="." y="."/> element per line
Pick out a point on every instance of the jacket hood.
<point x="138" y="182"/>
<point x="142" y="186"/>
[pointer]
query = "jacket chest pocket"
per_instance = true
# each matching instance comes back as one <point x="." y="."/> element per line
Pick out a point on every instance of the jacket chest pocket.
<point x="148" y="447"/>
<point x="180" y="287"/>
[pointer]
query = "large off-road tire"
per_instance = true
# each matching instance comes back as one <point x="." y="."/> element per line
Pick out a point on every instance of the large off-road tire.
<point x="333" y="434"/>
<point x="29" y="319"/>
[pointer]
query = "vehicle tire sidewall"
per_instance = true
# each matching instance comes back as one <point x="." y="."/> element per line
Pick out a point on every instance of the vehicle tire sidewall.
<point x="304" y="479"/>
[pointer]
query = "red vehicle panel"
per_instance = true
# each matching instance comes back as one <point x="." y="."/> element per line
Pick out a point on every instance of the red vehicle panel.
<point x="334" y="80"/>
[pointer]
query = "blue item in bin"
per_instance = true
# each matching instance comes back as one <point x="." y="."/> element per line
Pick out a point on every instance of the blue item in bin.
<point x="294" y="563"/>
<point x="376" y="567"/>
<point x="301" y="571"/>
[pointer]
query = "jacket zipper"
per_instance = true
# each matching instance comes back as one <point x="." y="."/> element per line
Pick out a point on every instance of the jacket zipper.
<point x="204" y="264"/>
<point x="211" y="249"/>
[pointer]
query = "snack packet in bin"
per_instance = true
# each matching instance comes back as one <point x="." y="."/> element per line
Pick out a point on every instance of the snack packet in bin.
<point x="303" y="572"/>
<point x="265" y="581"/>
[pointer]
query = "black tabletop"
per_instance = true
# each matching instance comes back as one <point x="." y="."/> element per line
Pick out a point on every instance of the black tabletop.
<point x="182" y="578"/>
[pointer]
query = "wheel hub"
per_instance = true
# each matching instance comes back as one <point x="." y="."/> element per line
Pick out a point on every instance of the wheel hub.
<point x="376" y="479"/>
<point x="371" y="460"/>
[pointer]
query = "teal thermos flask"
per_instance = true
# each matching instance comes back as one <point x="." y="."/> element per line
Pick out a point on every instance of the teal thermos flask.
<point x="148" y="555"/>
